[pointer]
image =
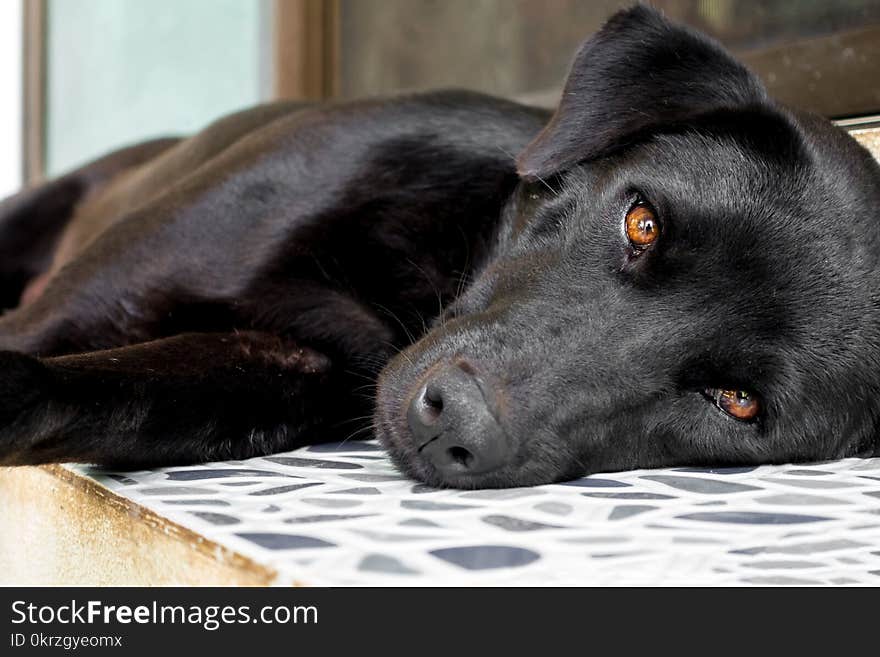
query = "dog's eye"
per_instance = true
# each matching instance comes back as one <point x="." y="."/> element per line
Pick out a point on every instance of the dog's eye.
<point x="739" y="404"/>
<point x="642" y="226"/>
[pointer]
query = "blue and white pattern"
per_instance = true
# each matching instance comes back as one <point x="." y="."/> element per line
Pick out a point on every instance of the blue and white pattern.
<point x="342" y="515"/>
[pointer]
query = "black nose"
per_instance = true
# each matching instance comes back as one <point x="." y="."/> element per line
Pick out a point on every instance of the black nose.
<point x="453" y="423"/>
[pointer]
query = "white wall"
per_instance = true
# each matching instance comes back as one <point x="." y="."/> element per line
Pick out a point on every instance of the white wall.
<point x="10" y="95"/>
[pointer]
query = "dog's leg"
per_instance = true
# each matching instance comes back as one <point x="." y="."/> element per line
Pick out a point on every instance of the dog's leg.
<point x="185" y="399"/>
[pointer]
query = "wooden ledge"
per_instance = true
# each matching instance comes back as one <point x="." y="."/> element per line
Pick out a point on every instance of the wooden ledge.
<point x="60" y="528"/>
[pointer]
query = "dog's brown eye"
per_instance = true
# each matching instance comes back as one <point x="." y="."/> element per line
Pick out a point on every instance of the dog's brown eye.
<point x="642" y="226"/>
<point x="740" y="404"/>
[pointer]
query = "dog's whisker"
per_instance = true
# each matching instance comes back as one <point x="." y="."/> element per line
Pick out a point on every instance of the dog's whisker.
<point x="397" y="319"/>
<point x="433" y="285"/>
<point x="370" y="427"/>
<point x="350" y="420"/>
<point x="400" y="351"/>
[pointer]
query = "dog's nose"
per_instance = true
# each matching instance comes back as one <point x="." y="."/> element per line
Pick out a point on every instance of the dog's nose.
<point x="453" y="422"/>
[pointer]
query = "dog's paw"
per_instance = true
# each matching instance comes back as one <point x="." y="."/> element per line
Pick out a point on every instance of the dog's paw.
<point x="23" y="382"/>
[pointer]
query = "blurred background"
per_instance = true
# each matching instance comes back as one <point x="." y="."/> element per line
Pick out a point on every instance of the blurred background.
<point x="80" y="77"/>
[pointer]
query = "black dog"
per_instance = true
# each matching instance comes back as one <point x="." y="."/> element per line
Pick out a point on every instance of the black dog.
<point x="676" y="270"/>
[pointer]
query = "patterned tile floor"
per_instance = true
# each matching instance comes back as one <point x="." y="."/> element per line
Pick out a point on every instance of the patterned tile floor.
<point x="341" y="515"/>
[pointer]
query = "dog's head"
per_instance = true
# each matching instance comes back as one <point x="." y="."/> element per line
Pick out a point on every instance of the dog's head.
<point x="688" y="275"/>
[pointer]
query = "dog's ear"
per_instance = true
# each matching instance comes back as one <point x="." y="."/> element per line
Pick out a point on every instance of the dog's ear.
<point x="638" y="72"/>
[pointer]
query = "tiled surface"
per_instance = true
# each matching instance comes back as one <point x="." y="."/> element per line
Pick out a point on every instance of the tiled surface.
<point x="338" y="515"/>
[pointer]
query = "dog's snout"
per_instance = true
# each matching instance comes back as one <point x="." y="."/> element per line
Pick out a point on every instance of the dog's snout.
<point x="454" y="425"/>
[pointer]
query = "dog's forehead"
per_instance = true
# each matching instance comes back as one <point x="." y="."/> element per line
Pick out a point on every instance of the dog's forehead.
<point x="767" y="214"/>
<point x="727" y="170"/>
<point x="789" y="203"/>
<point x="784" y="179"/>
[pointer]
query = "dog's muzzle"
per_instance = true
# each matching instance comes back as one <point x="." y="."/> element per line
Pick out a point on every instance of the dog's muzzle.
<point x="453" y="418"/>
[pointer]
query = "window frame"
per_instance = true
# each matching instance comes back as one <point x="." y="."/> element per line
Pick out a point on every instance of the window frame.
<point x="306" y="64"/>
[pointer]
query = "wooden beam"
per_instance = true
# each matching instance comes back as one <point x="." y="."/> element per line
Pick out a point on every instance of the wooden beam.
<point x="306" y="49"/>
<point x="833" y="74"/>
<point x="34" y="83"/>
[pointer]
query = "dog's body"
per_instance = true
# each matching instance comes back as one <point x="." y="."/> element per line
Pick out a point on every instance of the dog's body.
<point x="671" y="237"/>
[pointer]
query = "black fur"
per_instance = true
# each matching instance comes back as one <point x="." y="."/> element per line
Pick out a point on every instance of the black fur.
<point x="239" y="292"/>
